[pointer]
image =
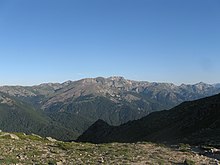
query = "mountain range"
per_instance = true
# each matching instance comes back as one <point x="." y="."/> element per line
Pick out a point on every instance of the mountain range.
<point x="192" y="122"/>
<point x="66" y="110"/>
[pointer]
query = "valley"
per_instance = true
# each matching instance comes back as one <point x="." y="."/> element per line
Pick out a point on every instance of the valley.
<point x="109" y="82"/>
<point x="193" y="122"/>
<point x="71" y="107"/>
<point x="110" y="121"/>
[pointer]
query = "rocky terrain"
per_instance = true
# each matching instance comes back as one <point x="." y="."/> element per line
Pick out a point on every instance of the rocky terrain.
<point x="19" y="149"/>
<point x="73" y="106"/>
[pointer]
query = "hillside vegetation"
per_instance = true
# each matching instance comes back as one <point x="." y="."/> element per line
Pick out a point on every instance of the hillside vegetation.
<point x="19" y="148"/>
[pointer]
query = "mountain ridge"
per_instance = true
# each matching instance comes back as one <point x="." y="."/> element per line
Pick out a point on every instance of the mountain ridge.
<point x="110" y="77"/>
<point x="195" y="122"/>
<point x="75" y="105"/>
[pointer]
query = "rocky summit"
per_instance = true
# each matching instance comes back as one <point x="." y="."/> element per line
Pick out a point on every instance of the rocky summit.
<point x="71" y="107"/>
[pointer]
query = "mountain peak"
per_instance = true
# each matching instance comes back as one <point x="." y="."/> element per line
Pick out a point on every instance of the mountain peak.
<point x="100" y="122"/>
<point x="67" y="82"/>
<point x="201" y="83"/>
<point x="116" y="78"/>
<point x="101" y="129"/>
<point x="173" y="125"/>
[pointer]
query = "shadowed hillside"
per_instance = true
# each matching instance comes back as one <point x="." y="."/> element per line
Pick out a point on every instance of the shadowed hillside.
<point x="190" y="122"/>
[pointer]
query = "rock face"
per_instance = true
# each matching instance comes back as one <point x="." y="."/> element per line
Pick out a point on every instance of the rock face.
<point x="73" y="106"/>
<point x="51" y="139"/>
<point x="195" y="122"/>
<point x="12" y="136"/>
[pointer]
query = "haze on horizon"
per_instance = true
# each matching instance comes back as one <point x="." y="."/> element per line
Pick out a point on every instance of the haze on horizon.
<point x="151" y="40"/>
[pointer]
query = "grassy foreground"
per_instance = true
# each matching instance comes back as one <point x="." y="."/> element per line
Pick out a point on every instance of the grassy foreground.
<point x="32" y="149"/>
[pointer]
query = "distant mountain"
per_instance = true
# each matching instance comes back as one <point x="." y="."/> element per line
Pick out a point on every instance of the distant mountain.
<point x="117" y="100"/>
<point x="196" y="122"/>
<point x="75" y="105"/>
<point x="217" y="85"/>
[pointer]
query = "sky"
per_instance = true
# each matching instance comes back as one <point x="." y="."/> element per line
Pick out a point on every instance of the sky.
<point x="174" y="41"/>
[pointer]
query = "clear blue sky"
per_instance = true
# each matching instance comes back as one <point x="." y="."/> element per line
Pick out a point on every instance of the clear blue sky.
<point x="154" y="40"/>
